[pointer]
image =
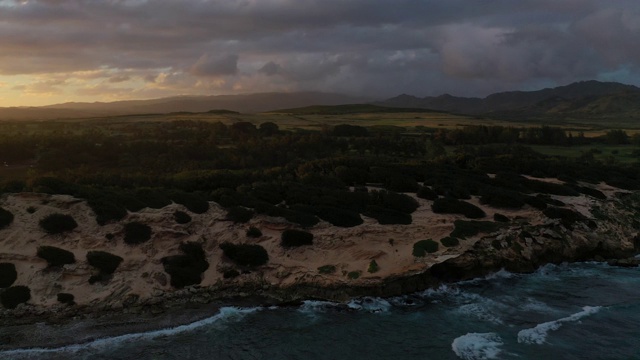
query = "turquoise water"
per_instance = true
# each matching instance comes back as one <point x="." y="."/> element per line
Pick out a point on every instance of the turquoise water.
<point x="577" y="311"/>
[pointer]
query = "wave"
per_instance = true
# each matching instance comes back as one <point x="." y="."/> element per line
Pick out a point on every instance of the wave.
<point x="224" y="315"/>
<point x="477" y="346"/>
<point x="370" y="304"/>
<point x="538" y="334"/>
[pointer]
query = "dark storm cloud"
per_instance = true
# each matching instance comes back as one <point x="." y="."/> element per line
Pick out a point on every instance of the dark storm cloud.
<point x="377" y="47"/>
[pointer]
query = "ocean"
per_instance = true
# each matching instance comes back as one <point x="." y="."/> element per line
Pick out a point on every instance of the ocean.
<point x="569" y="311"/>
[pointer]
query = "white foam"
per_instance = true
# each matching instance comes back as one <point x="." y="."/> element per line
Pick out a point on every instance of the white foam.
<point x="312" y="307"/>
<point x="225" y="314"/>
<point x="370" y="304"/>
<point x="538" y="334"/>
<point x="480" y="312"/>
<point x="477" y="346"/>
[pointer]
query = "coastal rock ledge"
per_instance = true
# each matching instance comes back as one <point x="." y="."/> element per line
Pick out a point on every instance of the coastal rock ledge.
<point x="606" y="230"/>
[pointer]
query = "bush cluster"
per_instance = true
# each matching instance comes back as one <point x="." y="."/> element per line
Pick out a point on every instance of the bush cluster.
<point x="373" y="267"/>
<point x="6" y="218"/>
<point x="386" y="216"/>
<point x="66" y="298"/>
<point x="422" y="247"/>
<point x="15" y="295"/>
<point x="186" y="269"/>
<point x="181" y="217"/>
<point x="8" y="274"/>
<point x="58" y="223"/>
<point x="450" y="241"/>
<point x="105" y="262"/>
<point x="327" y="269"/>
<point x="55" y="256"/>
<point x="500" y="218"/>
<point x="254" y="232"/>
<point x="426" y="193"/>
<point x="245" y="254"/>
<point x="293" y="238"/>
<point x="136" y="233"/>
<point x="239" y="214"/>
<point x="566" y="216"/>
<point x="463" y="229"/>
<point x="454" y="206"/>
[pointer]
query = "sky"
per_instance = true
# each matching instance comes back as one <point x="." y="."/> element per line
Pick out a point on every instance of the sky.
<point x="54" y="51"/>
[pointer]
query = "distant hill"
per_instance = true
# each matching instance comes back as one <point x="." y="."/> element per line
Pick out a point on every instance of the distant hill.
<point x="585" y="97"/>
<point x="250" y="103"/>
<point x="348" y="109"/>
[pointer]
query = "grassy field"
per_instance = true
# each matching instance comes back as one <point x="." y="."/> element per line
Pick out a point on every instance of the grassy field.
<point x="619" y="153"/>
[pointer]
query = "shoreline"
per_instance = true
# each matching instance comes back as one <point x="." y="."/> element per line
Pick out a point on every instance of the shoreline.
<point x="87" y="327"/>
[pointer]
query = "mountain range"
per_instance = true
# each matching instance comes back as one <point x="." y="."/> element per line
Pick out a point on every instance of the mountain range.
<point x="585" y="99"/>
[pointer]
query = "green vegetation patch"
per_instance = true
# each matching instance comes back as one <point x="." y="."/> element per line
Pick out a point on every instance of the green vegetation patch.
<point x="186" y="269"/>
<point x="55" y="256"/>
<point x="8" y="274"/>
<point x="327" y="269"/>
<point x="66" y="298"/>
<point x="450" y="241"/>
<point x="181" y="217"/>
<point x="136" y="233"/>
<point x="353" y="275"/>
<point x="388" y="216"/>
<point x="245" y="254"/>
<point x="463" y="229"/>
<point x="422" y="247"/>
<point x="6" y="218"/>
<point x="239" y="214"/>
<point x="294" y="238"/>
<point x="254" y="232"/>
<point x="58" y="223"/>
<point x="567" y="216"/>
<point x="105" y="262"/>
<point x="373" y="267"/>
<point x="454" y="206"/>
<point x="15" y="295"/>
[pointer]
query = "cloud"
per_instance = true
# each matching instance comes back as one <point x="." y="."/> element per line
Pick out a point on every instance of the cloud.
<point x="208" y="65"/>
<point x="368" y="47"/>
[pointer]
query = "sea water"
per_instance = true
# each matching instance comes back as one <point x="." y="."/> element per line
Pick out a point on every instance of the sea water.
<point x="574" y="311"/>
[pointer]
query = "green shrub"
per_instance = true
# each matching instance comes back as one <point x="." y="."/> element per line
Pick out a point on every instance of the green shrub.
<point x="230" y="274"/>
<point x="338" y="217"/>
<point x="239" y="214"/>
<point x="56" y="256"/>
<point x="453" y="206"/>
<point x="327" y="269"/>
<point x="181" y="217"/>
<point x="31" y="209"/>
<point x="294" y="238"/>
<point x="501" y="198"/>
<point x="450" y="241"/>
<point x="105" y="262"/>
<point x="536" y="202"/>
<point x="422" y="247"/>
<point x="426" y="193"/>
<point x="186" y="269"/>
<point x="66" y="298"/>
<point x="136" y="233"/>
<point x="500" y="218"/>
<point x="373" y="267"/>
<point x="394" y="201"/>
<point x="387" y="216"/>
<point x="194" y="202"/>
<point x="254" y="232"/>
<point x="15" y="295"/>
<point x="567" y="216"/>
<point x="8" y="274"/>
<point x="58" y="223"/>
<point x="463" y="229"/>
<point x="245" y="254"/>
<point x="6" y="218"/>
<point x="354" y="274"/>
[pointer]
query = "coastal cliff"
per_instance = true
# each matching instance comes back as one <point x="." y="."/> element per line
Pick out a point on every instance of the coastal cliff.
<point x="591" y="229"/>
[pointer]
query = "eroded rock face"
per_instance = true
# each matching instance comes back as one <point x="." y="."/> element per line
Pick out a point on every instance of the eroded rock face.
<point x="607" y="230"/>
